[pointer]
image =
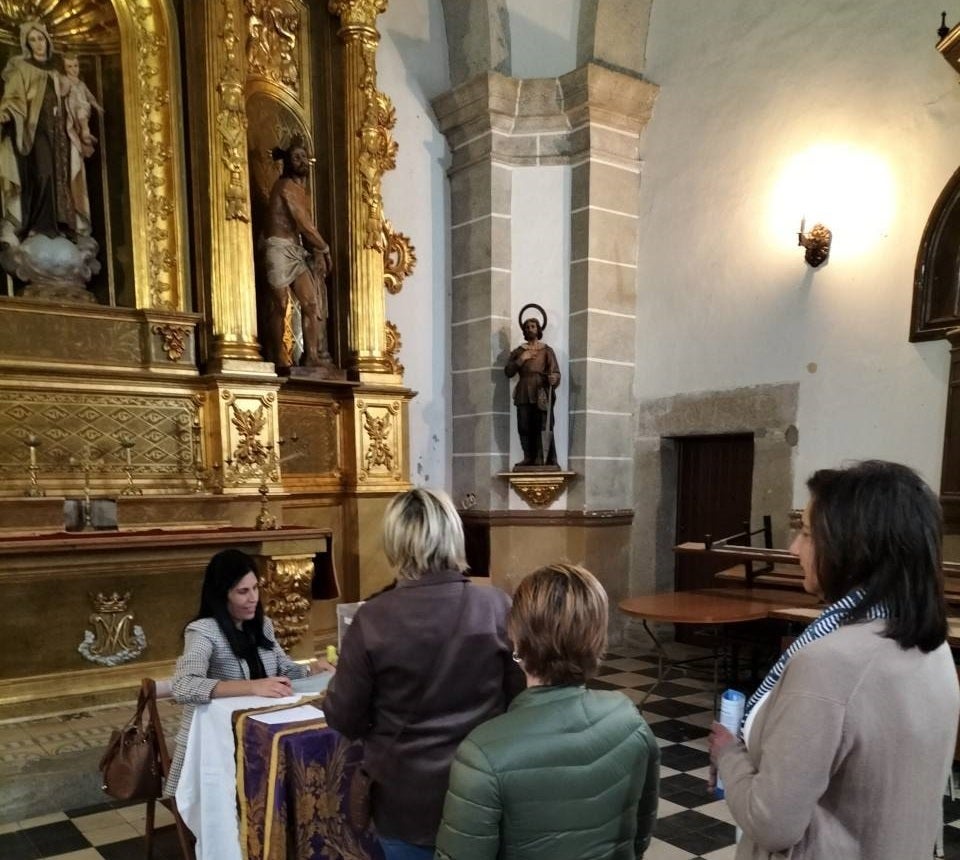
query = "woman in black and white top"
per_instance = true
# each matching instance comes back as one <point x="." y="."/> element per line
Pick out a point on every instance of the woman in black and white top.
<point x="230" y="648"/>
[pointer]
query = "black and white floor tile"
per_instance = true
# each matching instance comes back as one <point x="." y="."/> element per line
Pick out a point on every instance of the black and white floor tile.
<point x="692" y="824"/>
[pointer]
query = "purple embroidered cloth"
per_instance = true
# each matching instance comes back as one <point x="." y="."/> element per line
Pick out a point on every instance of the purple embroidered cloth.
<point x="292" y="781"/>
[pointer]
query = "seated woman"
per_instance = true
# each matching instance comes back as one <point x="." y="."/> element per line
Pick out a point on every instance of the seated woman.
<point x="848" y="740"/>
<point x="421" y="665"/>
<point x="567" y="773"/>
<point x="229" y="648"/>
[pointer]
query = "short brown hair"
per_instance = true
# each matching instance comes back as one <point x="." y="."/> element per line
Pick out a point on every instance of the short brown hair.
<point x="558" y="624"/>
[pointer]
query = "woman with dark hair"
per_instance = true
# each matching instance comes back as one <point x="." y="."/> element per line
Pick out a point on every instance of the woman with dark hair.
<point x="422" y="664"/>
<point x="847" y="742"/>
<point x="229" y="648"/>
<point x="567" y="773"/>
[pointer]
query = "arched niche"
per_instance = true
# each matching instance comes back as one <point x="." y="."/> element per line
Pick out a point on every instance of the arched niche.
<point x="936" y="289"/>
<point x="128" y="55"/>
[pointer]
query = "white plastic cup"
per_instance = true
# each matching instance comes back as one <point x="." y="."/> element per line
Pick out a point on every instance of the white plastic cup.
<point x="732" y="703"/>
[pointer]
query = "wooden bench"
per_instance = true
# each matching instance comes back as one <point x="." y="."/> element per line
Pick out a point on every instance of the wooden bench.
<point x="951" y="582"/>
<point x="753" y="566"/>
<point x="778" y="568"/>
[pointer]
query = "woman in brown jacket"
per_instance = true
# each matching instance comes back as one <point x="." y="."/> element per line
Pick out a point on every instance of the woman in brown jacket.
<point x="848" y="740"/>
<point x="422" y="665"/>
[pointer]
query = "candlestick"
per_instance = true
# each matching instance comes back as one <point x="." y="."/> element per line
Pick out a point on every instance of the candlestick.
<point x="34" y="490"/>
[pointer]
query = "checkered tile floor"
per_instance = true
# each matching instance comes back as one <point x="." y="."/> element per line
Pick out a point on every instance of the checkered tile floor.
<point x="692" y="824"/>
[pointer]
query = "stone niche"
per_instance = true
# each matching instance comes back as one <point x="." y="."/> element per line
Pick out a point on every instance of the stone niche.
<point x="769" y="412"/>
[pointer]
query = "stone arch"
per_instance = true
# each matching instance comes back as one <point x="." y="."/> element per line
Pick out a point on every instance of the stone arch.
<point x="478" y="38"/>
<point x="614" y="33"/>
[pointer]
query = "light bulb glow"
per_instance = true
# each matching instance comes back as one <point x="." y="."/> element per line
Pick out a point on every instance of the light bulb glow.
<point x="847" y="189"/>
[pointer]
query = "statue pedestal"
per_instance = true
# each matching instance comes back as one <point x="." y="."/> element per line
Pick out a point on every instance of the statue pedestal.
<point x="319" y="371"/>
<point x="538" y="486"/>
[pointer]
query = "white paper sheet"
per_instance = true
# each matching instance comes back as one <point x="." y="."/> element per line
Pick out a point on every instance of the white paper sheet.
<point x="288" y="715"/>
<point x="312" y="683"/>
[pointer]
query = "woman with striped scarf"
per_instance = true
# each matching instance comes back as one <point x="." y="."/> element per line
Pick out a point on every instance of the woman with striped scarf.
<point x="845" y="746"/>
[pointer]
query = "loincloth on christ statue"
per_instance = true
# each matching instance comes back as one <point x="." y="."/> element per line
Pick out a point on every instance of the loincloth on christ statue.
<point x="285" y="261"/>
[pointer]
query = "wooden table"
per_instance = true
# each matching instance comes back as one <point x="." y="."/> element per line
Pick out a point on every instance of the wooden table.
<point x="714" y="607"/>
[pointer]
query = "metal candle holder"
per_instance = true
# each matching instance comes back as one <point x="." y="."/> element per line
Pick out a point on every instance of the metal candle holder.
<point x="34" y="491"/>
<point x="86" y="465"/>
<point x="126" y="445"/>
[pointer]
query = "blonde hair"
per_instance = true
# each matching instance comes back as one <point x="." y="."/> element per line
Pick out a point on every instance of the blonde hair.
<point x="558" y="624"/>
<point x="422" y="531"/>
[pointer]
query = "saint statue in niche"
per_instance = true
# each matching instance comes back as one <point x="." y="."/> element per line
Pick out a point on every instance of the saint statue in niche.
<point x="45" y="136"/>
<point x="295" y="258"/>
<point x="534" y="395"/>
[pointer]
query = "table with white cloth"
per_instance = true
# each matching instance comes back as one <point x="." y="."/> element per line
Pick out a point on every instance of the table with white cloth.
<point x="266" y="779"/>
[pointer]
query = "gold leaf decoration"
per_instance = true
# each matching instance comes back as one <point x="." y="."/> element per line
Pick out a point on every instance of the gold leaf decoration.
<point x="250" y="451"/>
<point x="358" y="13"/>
<point x="392" y="347"/>
<point x="273" y="30"/>
<point x="378" y="451"/>
<point x="399" y="258"/>
<point x="232" y="123"/>
<point x="378" y="149"/>
<point x="175" y="339"/>
<point x="87" y="26"/>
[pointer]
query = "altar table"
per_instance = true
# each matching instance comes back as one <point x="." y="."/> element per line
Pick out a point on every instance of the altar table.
<point x="279" y="792"/>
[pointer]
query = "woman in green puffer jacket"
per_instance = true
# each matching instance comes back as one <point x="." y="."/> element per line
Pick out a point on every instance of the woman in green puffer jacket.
<point x="566" y="773"/>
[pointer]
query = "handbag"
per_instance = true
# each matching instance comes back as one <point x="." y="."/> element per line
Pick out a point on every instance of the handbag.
<point x="358" y="792"/>
<point x="130" y="767"/>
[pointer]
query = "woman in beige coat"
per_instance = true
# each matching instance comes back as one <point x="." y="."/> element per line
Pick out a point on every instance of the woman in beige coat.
<point x="847" y="742"/>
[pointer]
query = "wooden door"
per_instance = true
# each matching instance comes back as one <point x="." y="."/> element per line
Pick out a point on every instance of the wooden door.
<point x="714" y="479"/>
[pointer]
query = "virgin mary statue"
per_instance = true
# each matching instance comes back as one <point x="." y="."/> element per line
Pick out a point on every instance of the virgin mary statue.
<point x="45" y="229"/>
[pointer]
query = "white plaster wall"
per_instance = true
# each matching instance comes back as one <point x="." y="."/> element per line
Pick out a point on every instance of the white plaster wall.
<point x="540" y="255"/>
<point x="543" y="37"/>
<point x="413" y="68"/>
<point x="724" y="296"/>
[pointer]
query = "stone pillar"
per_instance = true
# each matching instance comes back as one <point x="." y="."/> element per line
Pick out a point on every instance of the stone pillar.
<point x="590" y="119"/>
<point x="475" y="118"/>
<point x="478" y="38"/>
<point x="606" y="111"/>
<point x="215" y="76"/>
<point x="613" y="33"/>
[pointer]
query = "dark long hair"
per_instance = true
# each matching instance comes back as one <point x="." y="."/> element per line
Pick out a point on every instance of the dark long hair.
<point x="877" y="526"/>
<point x="223" y="572"/>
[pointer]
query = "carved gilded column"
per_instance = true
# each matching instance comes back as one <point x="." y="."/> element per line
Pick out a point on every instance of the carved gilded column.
<point x="371" y="150"/>
<point x="216" y="74"/>
<point x="286" y="583"/>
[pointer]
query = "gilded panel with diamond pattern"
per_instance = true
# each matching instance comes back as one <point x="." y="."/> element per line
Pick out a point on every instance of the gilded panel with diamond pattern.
<point x="70" y="424"/>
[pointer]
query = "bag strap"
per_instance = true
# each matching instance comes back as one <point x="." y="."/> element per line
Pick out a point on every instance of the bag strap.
<point x="142" y="705"/>
<point x="148" y="698"/>
<point x="432" y="673"/>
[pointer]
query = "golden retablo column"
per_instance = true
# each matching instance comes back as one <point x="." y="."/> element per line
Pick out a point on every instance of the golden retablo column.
<point x="370" y="151"/>
<point x="216" y="77"/>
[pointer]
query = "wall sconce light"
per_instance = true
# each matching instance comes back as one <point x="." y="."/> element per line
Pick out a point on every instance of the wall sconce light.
<point x="949" y="44"/>
<point x="816" y="242"/>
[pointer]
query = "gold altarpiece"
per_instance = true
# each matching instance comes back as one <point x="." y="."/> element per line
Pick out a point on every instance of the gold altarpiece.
<point x="155" y="393"/>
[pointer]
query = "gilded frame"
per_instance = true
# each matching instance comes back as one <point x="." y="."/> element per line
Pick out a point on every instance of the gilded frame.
<point x="152" y="96"/>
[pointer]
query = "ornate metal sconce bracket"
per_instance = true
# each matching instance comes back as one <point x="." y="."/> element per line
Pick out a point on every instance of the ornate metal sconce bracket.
<point x="817" y="244"/>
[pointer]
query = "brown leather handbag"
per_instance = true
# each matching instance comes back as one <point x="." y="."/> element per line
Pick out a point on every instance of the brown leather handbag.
<point x="130" y="767"/>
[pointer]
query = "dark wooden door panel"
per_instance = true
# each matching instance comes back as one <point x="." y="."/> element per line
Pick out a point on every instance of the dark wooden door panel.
<point x="714" y="479"/>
